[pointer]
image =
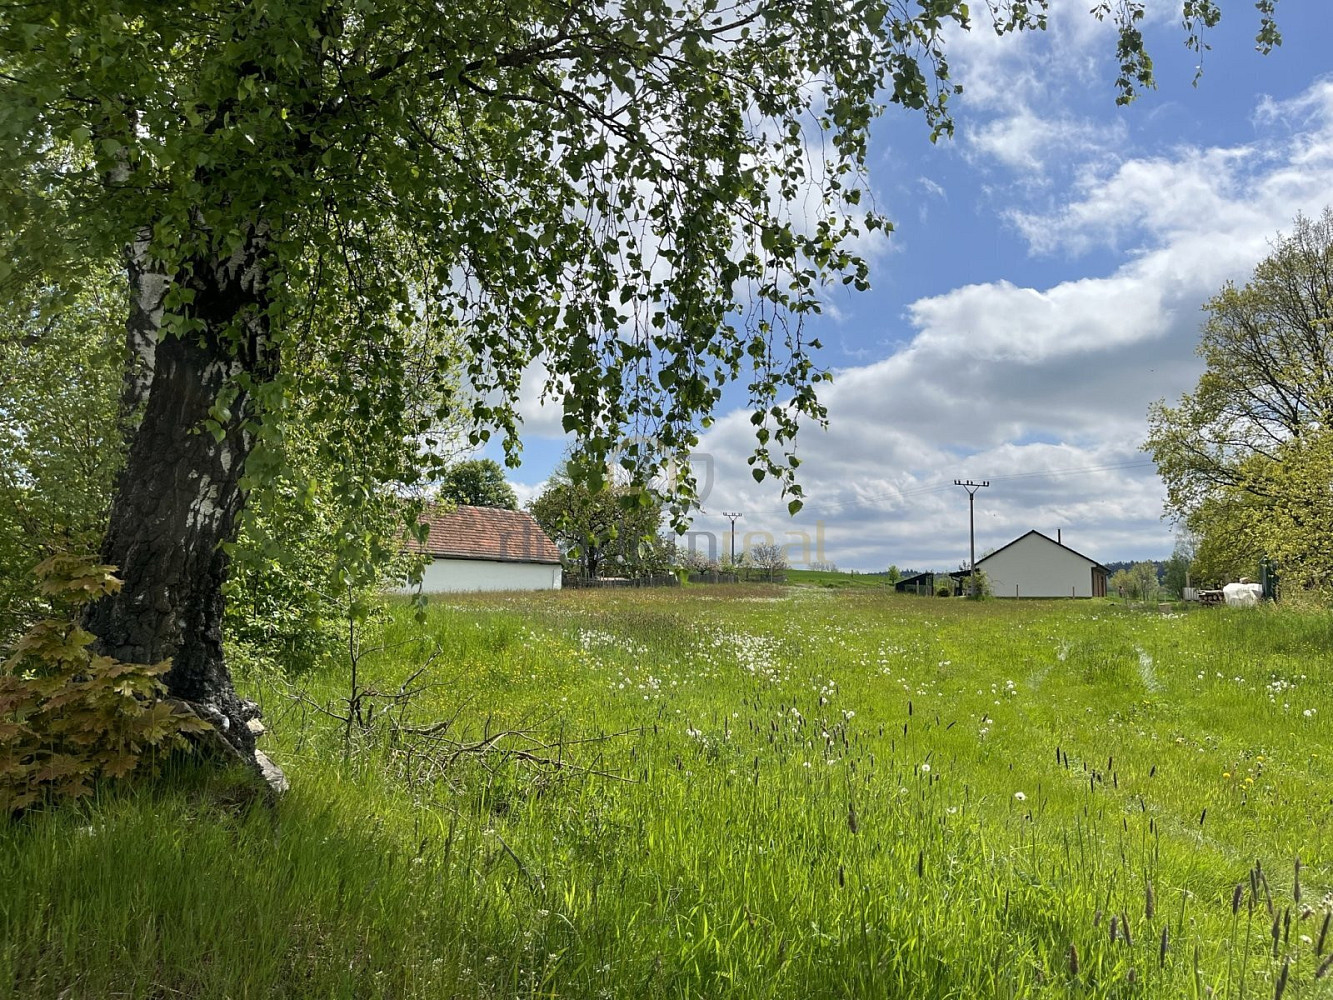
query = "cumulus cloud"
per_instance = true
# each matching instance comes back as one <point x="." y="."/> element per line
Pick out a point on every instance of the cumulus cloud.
<point x="1162" y="198"/>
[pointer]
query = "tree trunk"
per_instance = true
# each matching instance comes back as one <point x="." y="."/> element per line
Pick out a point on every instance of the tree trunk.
<point x="179" y="496"/>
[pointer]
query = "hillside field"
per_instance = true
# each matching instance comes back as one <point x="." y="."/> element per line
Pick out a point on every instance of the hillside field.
<point x="730" y="792"/>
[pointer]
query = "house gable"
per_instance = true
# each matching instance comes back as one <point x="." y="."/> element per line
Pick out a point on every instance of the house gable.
<point x="1046" y="538"/>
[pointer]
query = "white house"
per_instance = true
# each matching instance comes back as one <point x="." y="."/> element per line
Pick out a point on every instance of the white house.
<point x="485" y="548"/>
<point x="1034" y="565"/>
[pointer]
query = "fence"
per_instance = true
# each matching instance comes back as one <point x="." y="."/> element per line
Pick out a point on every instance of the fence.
<point x="713" y="576"/>
<point x="753" y="574"/>
<point x="575" y="582"/>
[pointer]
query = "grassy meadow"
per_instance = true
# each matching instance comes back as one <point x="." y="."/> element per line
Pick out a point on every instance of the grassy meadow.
<point x="731" y="792"/>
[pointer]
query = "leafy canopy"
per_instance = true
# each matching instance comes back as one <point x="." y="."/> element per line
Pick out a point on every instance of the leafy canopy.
<point x="331" y="484"/>
<point x="1138" y="582"/>
<point x="607" y="528"/>
<point x="478" y="482"/>
<point x="60" y="369"/>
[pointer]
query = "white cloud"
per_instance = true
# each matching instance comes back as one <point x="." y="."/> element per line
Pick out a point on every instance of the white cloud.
<point x="1001" y="322"/>
<point x="1029" y="142"/>
<point x="1305" y="111"/>
<point x="527" y="492"/>
<point x="999" y="72"/>
<point x="932" y="187"/>
<point x="1164" y="198"/>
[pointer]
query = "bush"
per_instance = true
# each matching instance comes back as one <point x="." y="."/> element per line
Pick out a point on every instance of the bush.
<point x="68" y="716"/>
<point x="980" y="586"/>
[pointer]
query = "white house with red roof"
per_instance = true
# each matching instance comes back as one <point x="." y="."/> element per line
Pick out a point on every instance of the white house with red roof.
<point x="486" y="548"/>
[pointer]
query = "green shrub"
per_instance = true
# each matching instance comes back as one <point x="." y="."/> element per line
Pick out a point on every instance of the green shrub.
<point x="69" y="716"/>
<point x="980" y="586"/>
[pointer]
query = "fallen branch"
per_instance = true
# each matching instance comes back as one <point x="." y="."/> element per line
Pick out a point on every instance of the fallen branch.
<point x="441" y="752"/>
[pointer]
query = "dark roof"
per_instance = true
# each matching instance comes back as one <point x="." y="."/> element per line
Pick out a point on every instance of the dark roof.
<point x="486" y="533"/>
<point x="916" y="577"/>
<point x="1058" y="545"/>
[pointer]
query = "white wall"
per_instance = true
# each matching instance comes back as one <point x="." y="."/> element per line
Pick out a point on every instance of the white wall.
<point x="1038" y="568"/>
<point x="481" y="574"/>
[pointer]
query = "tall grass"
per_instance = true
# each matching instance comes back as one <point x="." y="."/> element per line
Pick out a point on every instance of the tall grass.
<point x="800" y="794"/>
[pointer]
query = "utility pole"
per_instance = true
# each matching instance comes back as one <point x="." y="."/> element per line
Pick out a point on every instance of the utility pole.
<point x="972" y="488"/>
<point x="733" y="517"/>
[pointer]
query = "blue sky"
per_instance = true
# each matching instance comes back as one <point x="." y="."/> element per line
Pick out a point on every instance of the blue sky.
<point x="1041" y="288"/>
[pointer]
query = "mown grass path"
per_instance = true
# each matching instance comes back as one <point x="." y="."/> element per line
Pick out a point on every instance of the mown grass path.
<point x="812" y="794"/>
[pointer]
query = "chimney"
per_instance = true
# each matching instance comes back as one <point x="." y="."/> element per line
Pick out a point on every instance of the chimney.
<point x="1057" y="537"/>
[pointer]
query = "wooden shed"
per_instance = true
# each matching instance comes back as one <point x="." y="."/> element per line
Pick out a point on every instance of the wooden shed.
<point x="920" y="583"/>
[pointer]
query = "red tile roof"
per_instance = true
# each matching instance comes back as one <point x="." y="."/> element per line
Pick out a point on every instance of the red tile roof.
<point x="487" y="533"/>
